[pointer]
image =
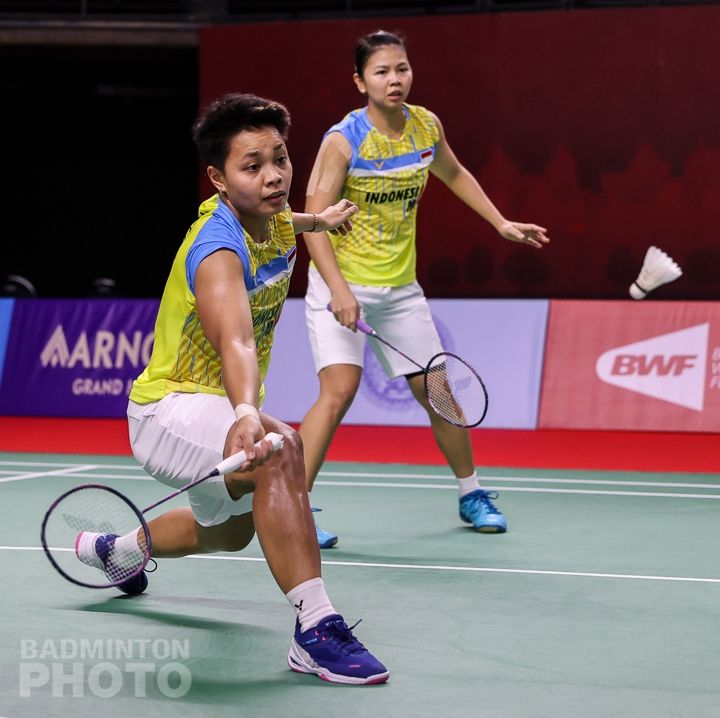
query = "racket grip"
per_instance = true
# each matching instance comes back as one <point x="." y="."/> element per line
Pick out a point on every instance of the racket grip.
<point x="360" y="324"/>
<point x="364" y="328"/>
<point x="235" y="461"/>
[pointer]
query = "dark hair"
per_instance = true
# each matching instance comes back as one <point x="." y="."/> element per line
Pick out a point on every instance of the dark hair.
<point x="233" y="113"/>
<point x="368" y="44"/>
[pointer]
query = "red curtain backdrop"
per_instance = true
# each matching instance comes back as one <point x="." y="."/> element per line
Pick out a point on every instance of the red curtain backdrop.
<point x="603" y="125"/>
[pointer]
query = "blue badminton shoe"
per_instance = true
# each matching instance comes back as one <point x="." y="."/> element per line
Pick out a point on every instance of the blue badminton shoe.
<point x="331" y="651"/>
<point x="325" y="538"/>
<point x="477" y="508"/>
<point x="96" y="549"/>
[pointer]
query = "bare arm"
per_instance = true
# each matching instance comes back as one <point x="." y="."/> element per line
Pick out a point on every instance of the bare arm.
<point x="447" y="168"/>
<point x="333" y="218"/>
<point x="224" y="311"/>
<point x="324" y="188"/>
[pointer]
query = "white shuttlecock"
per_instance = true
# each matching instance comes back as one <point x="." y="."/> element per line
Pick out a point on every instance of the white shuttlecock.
<point x="658" y="268"/>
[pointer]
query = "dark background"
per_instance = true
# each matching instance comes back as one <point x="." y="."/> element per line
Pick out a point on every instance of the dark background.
<point x="602" y="123"/>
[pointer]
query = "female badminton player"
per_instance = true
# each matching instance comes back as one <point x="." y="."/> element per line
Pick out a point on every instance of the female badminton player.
<point x="198" y="400"/>
<point x="379" y="157"/>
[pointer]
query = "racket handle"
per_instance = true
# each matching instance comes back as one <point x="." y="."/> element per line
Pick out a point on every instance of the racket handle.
<point x="235" y="461"/>
<point x="361" y="325"/>
<point x="365" y="328"/>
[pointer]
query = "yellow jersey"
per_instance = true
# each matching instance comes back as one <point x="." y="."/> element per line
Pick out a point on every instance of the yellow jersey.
<point x="385" y="179"/>
<point x="182" y="358"/>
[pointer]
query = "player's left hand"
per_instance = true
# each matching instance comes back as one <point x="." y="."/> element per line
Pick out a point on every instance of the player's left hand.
<point x="532" y="234"/>
<point x="336" y="218"/>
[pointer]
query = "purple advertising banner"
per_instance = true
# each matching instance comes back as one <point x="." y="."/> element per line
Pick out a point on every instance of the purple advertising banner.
<point x="503" y="339"/>
<point x="75" y="357"/>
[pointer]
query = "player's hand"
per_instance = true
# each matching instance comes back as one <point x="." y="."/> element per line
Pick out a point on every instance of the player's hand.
<point x="531" y="234"/>
<point x="345" y="308"/>
<point x="242" y="437"/>
<point x="336" y="218"/>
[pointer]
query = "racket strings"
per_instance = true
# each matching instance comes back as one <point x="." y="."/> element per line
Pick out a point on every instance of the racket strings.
<point x="91" y="535"/>
<point x="455" y="391"/>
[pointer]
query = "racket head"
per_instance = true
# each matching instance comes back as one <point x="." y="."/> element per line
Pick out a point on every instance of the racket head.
<point x="99" y="509"/>
<point x="455" y="390"/>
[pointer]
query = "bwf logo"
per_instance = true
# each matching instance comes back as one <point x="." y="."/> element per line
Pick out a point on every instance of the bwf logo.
<point x="670" y="367"/>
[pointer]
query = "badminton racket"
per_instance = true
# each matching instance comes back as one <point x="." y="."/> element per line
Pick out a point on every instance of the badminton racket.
<point x="453" y="388"/>
<point x="96" y="508"/>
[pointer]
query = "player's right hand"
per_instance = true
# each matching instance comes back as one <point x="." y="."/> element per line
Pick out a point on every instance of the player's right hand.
<point x="345" y="308"/>
<point x="242" y="437"/>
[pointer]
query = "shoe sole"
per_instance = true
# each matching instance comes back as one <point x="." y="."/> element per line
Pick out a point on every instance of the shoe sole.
<point x="487" y="528"/>
<point x="328" y="544"/>
<point x="304" y="664"/>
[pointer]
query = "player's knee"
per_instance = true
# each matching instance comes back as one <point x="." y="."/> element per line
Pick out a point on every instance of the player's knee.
<point x="292" y="450"/>
<point x="340" y="399"/>
<point x="288" y="464"/>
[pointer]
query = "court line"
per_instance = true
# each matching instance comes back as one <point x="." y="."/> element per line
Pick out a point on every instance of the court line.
<point x="528" y="479"/>
<point x="480" y="569"/>
<point x="437" y="567"/>
<point x="378" y="485"/>
<point x="43" y="474"/>
<point x="435" y="477"/>
<point x="68" y="473"/>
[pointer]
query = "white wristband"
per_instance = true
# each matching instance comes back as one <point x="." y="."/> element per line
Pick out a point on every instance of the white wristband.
<point x="242" y="410"/>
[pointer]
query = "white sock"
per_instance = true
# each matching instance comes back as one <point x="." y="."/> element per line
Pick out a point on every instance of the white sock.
<point x="310" y="602"/>
<point x="468" y="485"/>
<point x="126" y="551"/>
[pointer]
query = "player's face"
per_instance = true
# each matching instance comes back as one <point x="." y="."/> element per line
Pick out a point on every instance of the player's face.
<point x="257" y="174"/>
<point x="387" y="77"/>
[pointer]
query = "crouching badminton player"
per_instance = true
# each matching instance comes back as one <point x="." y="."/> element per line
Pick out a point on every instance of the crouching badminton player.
<point x="198" y="399"/>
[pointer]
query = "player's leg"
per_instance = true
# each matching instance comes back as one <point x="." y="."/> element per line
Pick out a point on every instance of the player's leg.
<point x="172" y="439"/>
<point x="476" y="505"/>
<point x="338" y="357"/>
<point x="281" y="510"/>
<point x="338" y="385"/>
<point x="322" y="643"/>
<point x="176" y="533"/>
<point x="453" y="441"/>
<point x="406" y="322"/>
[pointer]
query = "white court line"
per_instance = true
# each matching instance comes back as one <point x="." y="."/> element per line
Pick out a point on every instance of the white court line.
<point x="437" y="567"/>
<point x="363" y="474"/>
<point x="70" y="473"/>
<point x="42" y="474"/>
<point x="378" y="485"/>
<point x="125" y="477"/>
<point x="129" y="466"/>
<point x="521" y="479"/>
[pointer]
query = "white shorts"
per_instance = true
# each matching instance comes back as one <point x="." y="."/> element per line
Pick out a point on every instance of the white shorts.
<point x="181" y="438"/>
<point x="400" y="315"/>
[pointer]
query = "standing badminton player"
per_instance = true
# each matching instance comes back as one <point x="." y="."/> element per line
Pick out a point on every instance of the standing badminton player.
<point x="379" y="157"/>
<point x="198" y="399"/>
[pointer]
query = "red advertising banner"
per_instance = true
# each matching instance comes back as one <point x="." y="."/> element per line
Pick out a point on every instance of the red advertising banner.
<point x="649" y="366"/>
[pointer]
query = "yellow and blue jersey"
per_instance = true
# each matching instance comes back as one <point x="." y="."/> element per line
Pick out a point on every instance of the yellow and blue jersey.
<point x="385" y="179"/>
<point x="183" y="359"/>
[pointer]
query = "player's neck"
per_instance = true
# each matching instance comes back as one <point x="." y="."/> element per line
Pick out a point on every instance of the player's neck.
<point x="388" y="122"/>
<point x="257" y="227"/>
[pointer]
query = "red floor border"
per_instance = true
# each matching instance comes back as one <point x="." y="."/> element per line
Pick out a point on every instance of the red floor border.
<point x="549" y="448"/>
